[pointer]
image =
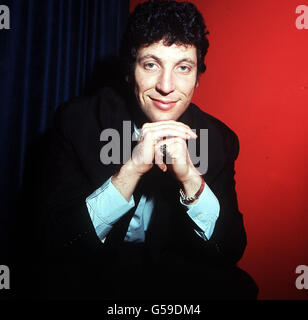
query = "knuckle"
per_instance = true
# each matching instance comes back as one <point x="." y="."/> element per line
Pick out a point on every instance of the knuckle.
<point x="145" y="125"/>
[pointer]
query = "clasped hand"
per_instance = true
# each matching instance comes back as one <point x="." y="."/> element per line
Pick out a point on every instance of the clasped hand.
<point x="173" y="135"/>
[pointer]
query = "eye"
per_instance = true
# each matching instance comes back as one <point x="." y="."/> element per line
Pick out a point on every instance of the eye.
<point x="184" y="69"/>
<point x="150" y="66"/>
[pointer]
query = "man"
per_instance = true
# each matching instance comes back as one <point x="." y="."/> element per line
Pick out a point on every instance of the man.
<point x="123" y="230"/>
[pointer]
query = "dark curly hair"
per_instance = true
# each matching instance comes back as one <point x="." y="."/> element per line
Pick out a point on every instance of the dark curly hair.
<point x="174" y="22"/>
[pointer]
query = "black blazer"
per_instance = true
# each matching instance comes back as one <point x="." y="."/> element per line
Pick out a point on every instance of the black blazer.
<point x="73" y="170"/>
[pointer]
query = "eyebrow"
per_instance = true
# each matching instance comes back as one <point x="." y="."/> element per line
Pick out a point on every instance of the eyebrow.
<point x="152" y="56"/>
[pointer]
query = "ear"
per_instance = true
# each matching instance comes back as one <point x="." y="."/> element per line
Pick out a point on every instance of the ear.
<point x="197" y="84"/>
<point x="126" y="79"/>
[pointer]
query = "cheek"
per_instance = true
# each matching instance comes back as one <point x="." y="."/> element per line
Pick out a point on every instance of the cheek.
<point x="137" y="82"/>
<point x="188" y="92"/>
<point x="187" y="86"/>
<point x="143" y="82"/>
<point x="191" y="88"/>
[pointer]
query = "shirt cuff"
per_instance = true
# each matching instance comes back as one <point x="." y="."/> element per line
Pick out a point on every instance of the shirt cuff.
<point x="106" y="206"/>
<point x="204" y="212"/>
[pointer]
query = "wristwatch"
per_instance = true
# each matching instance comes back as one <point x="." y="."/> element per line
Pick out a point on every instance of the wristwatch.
<point x="188" y="200"/>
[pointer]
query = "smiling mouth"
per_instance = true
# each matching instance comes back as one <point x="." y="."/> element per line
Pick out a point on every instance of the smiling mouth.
<point x="163" y="105"/>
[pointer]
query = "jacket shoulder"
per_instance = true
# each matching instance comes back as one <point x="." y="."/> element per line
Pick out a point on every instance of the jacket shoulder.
<point x="81" y="112"/>
<point x="211" y="122"/>
<point x="219" y="132"/>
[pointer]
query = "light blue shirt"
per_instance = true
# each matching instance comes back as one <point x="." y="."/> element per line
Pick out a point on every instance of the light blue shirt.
<point x="106" y="206"/>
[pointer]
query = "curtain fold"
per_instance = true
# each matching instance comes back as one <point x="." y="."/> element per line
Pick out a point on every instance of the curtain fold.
<point x="47" y="57"/>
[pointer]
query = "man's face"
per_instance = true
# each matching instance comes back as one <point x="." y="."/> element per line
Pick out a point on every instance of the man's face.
<point x="165" y="79"/>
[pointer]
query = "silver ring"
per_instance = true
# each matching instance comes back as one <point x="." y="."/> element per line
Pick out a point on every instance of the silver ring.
<point x="163" y="149"/>
<point x="140" y="138"/>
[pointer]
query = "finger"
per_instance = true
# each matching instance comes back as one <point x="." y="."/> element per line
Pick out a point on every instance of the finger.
<point x="164" y="122"/>
<point x="159" y="158"/>
<point x="163" y="125"/>
<point x="170" y="142"/>
<point x="142" y="155"/>
<point x="176" y="148"/>
<point x="163" y="128"/>
<point x="158" y="135"/>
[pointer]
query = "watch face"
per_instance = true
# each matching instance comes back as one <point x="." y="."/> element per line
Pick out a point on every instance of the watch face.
<point x="186" y="200"/>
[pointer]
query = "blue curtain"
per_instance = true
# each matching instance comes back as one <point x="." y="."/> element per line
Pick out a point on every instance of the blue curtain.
<point x="48" y="55"/>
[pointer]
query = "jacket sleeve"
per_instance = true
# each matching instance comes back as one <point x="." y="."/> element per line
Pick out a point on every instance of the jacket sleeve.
<point x="229" y="234"/>
<point x="228" y="240"/>
<point x="64" y="225"/>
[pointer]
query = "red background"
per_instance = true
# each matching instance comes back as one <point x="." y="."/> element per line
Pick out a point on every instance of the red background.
<point x="257" y="83"/>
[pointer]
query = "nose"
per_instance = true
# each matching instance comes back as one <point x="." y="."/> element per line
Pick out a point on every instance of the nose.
<point x="165" y="83"/>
